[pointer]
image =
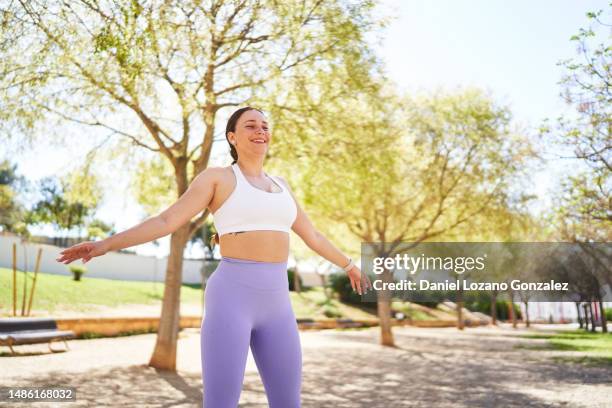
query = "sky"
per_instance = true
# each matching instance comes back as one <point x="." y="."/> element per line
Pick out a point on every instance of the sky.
<point x="508" y="47"/>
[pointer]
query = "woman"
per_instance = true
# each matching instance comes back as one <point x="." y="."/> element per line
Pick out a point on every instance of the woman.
<point x="247" y="298"/>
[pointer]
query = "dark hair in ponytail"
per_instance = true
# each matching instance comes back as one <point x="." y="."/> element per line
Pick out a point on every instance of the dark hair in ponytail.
<point x="231" y="127"/>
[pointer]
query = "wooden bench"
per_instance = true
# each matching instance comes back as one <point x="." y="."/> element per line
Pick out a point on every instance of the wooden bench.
<point x="26" y="330"/>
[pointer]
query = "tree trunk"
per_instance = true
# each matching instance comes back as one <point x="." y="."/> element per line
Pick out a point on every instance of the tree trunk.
<point x="586" y="316"/>
<point x="579" y="314"/>
<point x="602" y="312"/>
<point x="296" y="280"/>
<point x="460" y="324"/>
<point x="527" y="314"/>
<point x="494" y="308"/>
<point x="511" y="313"/>
<point x="384" y="312"/>
<point x="593" y="328"/>
<point x="164" y="354"/>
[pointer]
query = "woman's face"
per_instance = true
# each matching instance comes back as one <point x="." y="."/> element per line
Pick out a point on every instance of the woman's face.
<point x="252" y="135"/>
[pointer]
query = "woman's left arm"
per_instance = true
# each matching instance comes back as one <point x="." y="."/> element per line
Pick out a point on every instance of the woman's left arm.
<point x="316" y="241"/>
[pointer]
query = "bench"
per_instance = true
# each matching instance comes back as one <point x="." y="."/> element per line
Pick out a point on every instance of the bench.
<point x="26" y="330"/>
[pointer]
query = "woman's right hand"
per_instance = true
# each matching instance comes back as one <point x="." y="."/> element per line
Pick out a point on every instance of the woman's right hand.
<point x="85" y="250"/>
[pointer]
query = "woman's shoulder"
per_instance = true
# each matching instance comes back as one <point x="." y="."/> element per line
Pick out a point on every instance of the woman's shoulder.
<point x="217" y="174"/>
<point x="218" y="170"/>
<point x="221" y="173"/>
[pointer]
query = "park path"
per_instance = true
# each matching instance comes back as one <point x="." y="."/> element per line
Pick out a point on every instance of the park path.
<point x="479" y="367"/>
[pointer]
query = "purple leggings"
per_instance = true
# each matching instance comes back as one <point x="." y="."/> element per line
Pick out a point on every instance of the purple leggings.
<point x="247" y="304"/>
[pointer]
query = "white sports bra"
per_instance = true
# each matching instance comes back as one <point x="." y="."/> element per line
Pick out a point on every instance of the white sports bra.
<point x="249" y="208"/>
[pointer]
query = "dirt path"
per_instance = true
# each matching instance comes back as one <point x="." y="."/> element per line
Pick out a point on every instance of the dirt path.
<point x="479" y="367"/>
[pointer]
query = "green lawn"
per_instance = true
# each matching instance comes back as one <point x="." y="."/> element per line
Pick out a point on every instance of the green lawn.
<point x="62" y="293"/>
<point x="415" y="311"/>
<point x="597" y="346"/>
<point x="59" y="292"/>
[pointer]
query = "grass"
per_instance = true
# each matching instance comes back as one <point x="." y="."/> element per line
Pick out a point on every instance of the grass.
<point x="313" y="303"/>
<point x="596" y="346"/>
<point x="61" y="292"/>
<point x="415" y="311"/>
<point x="56" y="293"/>
<point x="92" y="335"/>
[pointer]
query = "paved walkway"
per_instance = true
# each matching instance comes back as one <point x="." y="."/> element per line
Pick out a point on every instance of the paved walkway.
<point x="479" y="367"/>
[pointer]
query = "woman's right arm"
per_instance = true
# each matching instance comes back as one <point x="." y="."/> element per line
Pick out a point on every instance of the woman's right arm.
<point x="197" y="198"/>
<point x="192" y="202"/>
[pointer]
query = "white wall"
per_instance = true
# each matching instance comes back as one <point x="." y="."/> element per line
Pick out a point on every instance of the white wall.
<point x="113" y="265"/>
<point x="556" y="310"/>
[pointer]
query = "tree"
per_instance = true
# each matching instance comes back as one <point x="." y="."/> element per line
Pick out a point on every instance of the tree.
<point x="587" y="83"/>
<point x="67" y="203"/>
<point x="595" y="260"/>
<point x="583" y="213"/>
<point x="12" y="212"/>
<point x="394" y="169"/>
<point x="159" y="73"/>
<point x="572" y="264"/>
<point x="587" y="88"/>
<point x="506" y="224"/>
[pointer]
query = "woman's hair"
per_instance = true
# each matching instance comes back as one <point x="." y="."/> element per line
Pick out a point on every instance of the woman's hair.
<point x="231" y="127"/>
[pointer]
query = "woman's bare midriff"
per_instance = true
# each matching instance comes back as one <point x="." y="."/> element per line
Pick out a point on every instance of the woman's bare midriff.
<point x="260" y="245"/>
<point x="265" y="246"/>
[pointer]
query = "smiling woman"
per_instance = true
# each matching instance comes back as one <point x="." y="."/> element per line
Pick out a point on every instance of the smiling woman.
<point x="253" y="214"/>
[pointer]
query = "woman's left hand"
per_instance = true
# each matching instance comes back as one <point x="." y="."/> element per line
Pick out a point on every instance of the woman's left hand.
<point x="359" y="282"/>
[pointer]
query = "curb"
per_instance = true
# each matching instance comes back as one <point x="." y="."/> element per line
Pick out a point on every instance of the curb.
<point x="113" y="326"/>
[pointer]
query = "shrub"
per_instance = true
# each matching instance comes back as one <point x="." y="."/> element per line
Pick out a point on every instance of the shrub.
<point x="331" y="312"/>
<point x="77" y="271"/>
<point x="501" y="308"/>
<point x="328" y="308"/>
<point x="609" y="314"/>
<point x="341" y="284"/>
